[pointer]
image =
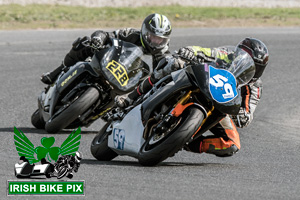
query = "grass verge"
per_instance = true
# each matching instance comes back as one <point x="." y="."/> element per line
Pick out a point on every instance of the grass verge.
<point x="56" y="16"/>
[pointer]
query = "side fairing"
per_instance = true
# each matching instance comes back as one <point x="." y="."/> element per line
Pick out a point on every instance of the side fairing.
<point x="180" y="82"/>
<point x="49" y="100"/>
<point x="75" y="71"/>
<point x="127" y="135"/>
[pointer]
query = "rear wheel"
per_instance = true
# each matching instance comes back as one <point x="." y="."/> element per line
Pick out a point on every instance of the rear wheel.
<point x="37" y="121"/>
<point x="159" y="147"/>
<point x="71" y="113"/>
<point x="99" y="146"/>
<point x="48" y="175"/>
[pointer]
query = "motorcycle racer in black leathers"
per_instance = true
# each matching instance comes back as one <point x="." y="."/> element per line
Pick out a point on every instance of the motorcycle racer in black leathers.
<point x="71" y="162"/>
<point x="225" y="141"/>
<point x="153" y="38"/>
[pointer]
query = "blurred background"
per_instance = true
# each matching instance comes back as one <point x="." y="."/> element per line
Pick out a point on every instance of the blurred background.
<point x="48" y="14"/>
<point x="134" y="3"/>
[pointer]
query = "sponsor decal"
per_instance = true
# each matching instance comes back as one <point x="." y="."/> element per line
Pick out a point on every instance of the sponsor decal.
<point x="68" y="78"/>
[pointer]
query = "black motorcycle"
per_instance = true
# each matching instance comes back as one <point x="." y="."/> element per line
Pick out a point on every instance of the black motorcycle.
<point x="179" y="109"/>
<point x="86" y="90"/>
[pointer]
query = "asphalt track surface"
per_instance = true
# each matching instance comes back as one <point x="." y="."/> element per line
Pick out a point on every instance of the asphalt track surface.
<point x="266" y="167"/>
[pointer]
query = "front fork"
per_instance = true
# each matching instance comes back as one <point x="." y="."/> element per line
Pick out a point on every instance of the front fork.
<point x="180" y="106"/>
<point x="178" y="109"/>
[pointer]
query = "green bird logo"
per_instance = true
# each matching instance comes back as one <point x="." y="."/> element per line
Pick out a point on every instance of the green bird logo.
<point x="27" y="149"/>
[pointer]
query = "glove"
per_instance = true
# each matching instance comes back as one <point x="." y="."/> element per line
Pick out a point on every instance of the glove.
<point x="123" y="101"/>
<point x="242" y="119"/>
<point x="97" y="42"/>
<point x="166" y="66"/>
<point x="187" y="53"/>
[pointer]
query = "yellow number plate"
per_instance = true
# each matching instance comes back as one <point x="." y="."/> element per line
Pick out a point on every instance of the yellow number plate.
<point x="118" y="71"/>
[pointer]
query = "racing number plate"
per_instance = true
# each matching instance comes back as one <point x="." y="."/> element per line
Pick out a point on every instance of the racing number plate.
<point x="222" y="85"/>
<point x="118" y="71"/>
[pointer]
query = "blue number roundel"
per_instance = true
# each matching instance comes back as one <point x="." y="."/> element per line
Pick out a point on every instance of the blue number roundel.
<point x="222" y="85"/>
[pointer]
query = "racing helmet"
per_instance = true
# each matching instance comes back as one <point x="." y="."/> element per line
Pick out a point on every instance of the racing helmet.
<point x="155" y="32"/>
<point x="259" y="53"/>
<point x="78" y="156"/>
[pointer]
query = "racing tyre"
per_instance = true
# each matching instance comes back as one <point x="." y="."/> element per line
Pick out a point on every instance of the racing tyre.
<point x="78" y="107"/>
<point x="70" y="176"/>
<point x="62" y="172"/>
<point x="159" y="147"/>
<point x="37" y="121"/>
<point x="99" y="146"/>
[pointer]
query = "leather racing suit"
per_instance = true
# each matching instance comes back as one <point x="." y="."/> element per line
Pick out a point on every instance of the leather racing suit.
<point x="225" y="140"/>
<point x="98" y="39"/>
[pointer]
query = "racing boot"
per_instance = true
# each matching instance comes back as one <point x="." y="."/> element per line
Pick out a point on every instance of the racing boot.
<point x="210" y="145"/>
<point x="49" y="77"/>
<point x="46" y="78"/>
<point x="218" y="147"/>
<point x="225" y="141"/>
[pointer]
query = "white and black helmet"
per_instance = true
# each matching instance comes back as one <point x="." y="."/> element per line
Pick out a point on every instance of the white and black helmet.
<point x="155" y="33"/>
<point x="78" y="156"/>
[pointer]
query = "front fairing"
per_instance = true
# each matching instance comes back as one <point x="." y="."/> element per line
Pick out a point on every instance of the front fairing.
<point x="221" y="83"/>
<point x="222" y="99"/>
<point x="121" y="65"/>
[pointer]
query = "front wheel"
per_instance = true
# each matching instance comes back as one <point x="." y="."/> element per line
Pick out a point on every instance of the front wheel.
<point x="37" y="121"/>
<point x="159" y="147"/>
<point x="78" y="107"/>
<point x="99" y="146"/>
<point x="62" y="172"/>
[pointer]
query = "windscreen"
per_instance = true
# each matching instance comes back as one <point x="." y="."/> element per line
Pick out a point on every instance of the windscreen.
<point x="123" y="65"/>
<point x="242" y="67"/>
